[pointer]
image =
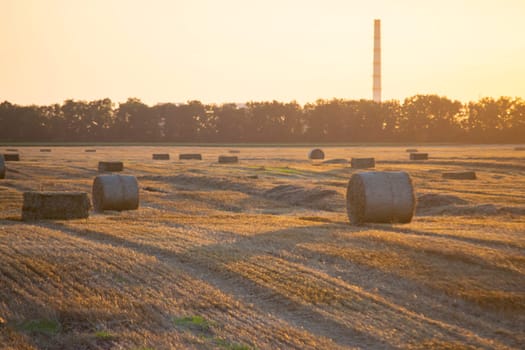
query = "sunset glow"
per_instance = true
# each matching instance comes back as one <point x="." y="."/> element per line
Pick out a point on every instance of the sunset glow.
<point x="238" y="51"/>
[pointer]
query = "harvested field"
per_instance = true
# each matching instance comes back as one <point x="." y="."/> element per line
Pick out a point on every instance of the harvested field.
<point x="260" y="254"/>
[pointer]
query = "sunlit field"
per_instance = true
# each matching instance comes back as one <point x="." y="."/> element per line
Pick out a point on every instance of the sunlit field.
<point x="261" y="254"/>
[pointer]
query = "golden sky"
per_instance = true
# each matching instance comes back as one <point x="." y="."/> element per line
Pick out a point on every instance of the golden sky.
<point x="243" y="50"/>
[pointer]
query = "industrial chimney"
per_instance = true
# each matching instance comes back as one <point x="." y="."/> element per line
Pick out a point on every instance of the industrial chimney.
<point x="377" y="61"/>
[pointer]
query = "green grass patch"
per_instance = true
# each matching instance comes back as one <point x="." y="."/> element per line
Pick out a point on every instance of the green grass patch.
<point x="285" y="170"/>
<point x="225" y="344"/>
<point x="193" y="323"/>
<point x="43" y="326"/>
<point x="104" y="335"/>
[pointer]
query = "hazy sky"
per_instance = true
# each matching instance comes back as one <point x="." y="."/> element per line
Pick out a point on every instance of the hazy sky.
<point x="242" y="50"/>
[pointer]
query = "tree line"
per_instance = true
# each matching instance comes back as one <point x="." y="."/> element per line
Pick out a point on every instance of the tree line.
<point x="420" y="118"/>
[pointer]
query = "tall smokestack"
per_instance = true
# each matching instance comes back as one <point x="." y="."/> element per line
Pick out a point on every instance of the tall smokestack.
<point x="377" y="61"/>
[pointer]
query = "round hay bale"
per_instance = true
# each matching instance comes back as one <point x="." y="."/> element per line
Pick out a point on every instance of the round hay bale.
<point x="411" y="150"/>
<point x="2" y="167"/>
<point x="110" y="166"/>
<point x="316" y="154"/>
<point x="460" y="175"/>
<point x="418" y="156"/>
<point x="161" y="156"/>
<point x="383" y="197"/>
<point x="115" y="192"/>
<point x="45" y="150"/>
<point x="90" y="150"/>
<point x="363" y="163"/>
<point x="228" y="159"/>
<point x="55" y="205"/>
<point x="11" y="157"/>
<point x="190" y="156"/>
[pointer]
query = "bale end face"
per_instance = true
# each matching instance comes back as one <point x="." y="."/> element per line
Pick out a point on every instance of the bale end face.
<point x="228" y="159"/>
<point x="363" y="163"/>
<point x="380" y="197"/>
<point x="190" y="156"/>
<point x="55" y="205"/>
<point x="110" y="166"/>
<point x="115" y="192"/>
<point x="316" y="154"/>
<point x="161" y="156"/>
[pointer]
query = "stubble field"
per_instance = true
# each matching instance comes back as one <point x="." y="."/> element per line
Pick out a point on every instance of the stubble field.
<point x="261" y="255"/>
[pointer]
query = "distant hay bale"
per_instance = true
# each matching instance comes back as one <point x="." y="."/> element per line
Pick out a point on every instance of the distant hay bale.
<point x="161" y="156"/>
<point x="2" y="167"/>
<point x="115" y="192"/>
<point x="90" y="150"/>
<point x="382" y="197"/>
<point x="228" y="159"/>
<point x="55" y="205"/>
<point x="110" y="166"/>
<point x="520" y="148"/>
<point x="11" y="157"/>
<point x="190" y="156"/>
<point x="411" y="150"/>
<point x="460" y="175"/>
<point x="418" y="156"/>
<point x="363" y="163"/>
<point x="45" y="150"/>
<point x="316" y="154"/>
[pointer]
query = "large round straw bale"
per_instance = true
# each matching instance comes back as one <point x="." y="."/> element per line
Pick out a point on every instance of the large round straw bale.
<point x="188" y="156"/>
<point x="460" y="175"/>
<point x="418" y="156"/>
<point x="115" y="192"/>
<point x="383" y="197"/>
<point x="316" y="153"/>
<point x="11" y="157"/>
<point x="362" y="163"/>
<point x="411" y="150"/>
<point x="228" y="159"/>
<point x="2" y="167"/>
<point x="110" y="166"/>
<point x="45" y="150"/>
<point x="161" y="156"/>
<point x="55" y="205"/>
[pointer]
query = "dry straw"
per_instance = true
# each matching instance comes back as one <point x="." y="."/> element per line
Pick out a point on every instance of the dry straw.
<point x="228" y="159"/>
<point x="363" y="163"/>
<point x="55" y="205"/>
<point x="45" y="150"/>
<point x="161" y="156"/>
<point x="11" y="157"/>
<point x="411" y="150"/>
<point x="90" y="150"/>
<point x="383" y="197"/>
<point x="418" y="156"/>
<point x="190" y="156"/>
<point x="12" y="149"/>
<point x="460" y="175"/>
<point x="110" y="166"/>
<point x="2" y="167"/>
<point x="115" y="192"/>
<point x="316" y="154"/>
